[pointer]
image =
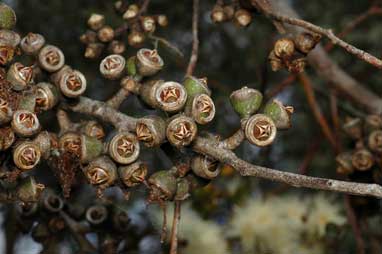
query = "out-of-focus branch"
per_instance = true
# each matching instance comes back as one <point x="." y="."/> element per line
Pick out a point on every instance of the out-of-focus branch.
<point x="195" y="39"/>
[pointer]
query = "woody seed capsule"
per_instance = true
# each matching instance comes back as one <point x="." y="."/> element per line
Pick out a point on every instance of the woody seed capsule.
<point x="72" y="84"/>
<point x="133" y="174"/>
<point x="124" y="148"/>
<point x="135" y="38"/>
<point x="25" y="123"/>
<point x="362" y="160"/>
<point x="93" y="129"/>
<point x="279" y="113"/>
<point x="243" y="17"/>
<point x="205" y="167"/>
<point x="181" y="131"/>
<point x="101" y="172"/>
<point x="32" y="43"/>
<point x="375" y="141"/>
<point x="151" y="130"/>
<point x="162" y="20"/>
<point x="113" y="66"/>
<point x="51" y="58"/>
<point x="217" y="14"/>
<point x="148" y="24"/>
<point x="26" y="155"/>
<point x="71" y="142"/>
<point x="131" y="12"/>
<point x="20" y="76"/>
<point x="106" y="34"/>
<point x="5" y="112"/>
<point x="94" y="50"/>
<point x="260" y="130"/>
<point x="201" y="108"/>
<point x="96" y="21"/>
<point x="246" y="101"/>
<point x="117" y="47"/>
<point x="46" y="96"/>
<point x="7" y="137"/>
<point x="284" y="48"/>
<point x="148" y="62"/>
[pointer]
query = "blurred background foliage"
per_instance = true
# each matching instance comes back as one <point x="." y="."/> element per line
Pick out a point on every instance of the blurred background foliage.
<point x="230" y="57"/>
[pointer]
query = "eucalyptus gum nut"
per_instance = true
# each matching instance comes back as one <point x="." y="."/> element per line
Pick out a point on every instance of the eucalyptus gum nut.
<point x="201" y="108"/>
<point x="7" y="17"/>
<point x="279" y="114"/>
<point x="51" y="58"/>
<point x="375" y="141"/>
<point x="182" y="189"/>
<point x="181" y="130"/>
<point x="25" y="123"/>
<point x="20" y="76"/>
<point x="170" y="96"/>
<point x="148" y="62"/>
<point x="9" y="38"/>
<point x="362" y="160"/>
<point x="96" y="214"/>
<point x="101" y="172"/>
<point x="26" y="155"/>
<point x="260" y="130"/>
<point x="28" y="190"/>
<point x="32" y="43"/>
<point x="7" y="138"/>
<point x="124" y="147"/>
<point x="246" y="101"/>
<point x="133" y="174"/>
<point x="6" y="112"/>
<point x="93" y="129"/>
<point x="90" y="148"/>
<point x="205" y="167"/>
<point x="51" y="201"/>
<point x="353" y="128"/>
<point x="44" y="141"/>
<point x="72" y="84"/>
<point x="113" y="67"/>
<point x="344" y="163"/>
<point x="372" y="122"/>
<point x="165" y="182"/>
<point x="151" y="130"/>
<point x="131" y="66"/>
<point x="195" y="86"/>
<point x="47" y="96"/>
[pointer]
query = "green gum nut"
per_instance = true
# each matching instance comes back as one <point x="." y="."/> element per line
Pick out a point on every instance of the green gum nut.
<point x="165" y="182"/>
<point x="91" y="148"/>
<point x="28" y="102"/>
<point x="131" y="66"/>
<point x="279" y="113"/>
<point x="246" y="101"/>
<point x="7" y="17"/>
<point x="196" y="86"/>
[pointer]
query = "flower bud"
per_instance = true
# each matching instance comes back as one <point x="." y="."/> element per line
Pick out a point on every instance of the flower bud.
<point x="117" y="47"/>
<point x="96" y="214"/>
<point x="93" y="129"/>
<point x="124" y="148"/>
<point x="89" y="37"/>
<point x="243" y="17"/>
<point x="151" y="130"/>
<point x="181" y="130"/>
<point x="297" y="65"/>
<point x="305" y="42"/>
<point x="353" y="128"/>
<point x="217" y="14"/>
<point x="25" y="123"/>
<point x="362" y="160"/>
<point x="260" y="130"/>
<point x="205" y="167"/>
<point x="133" y="174"/>
<point x="51" y="58"/>
<point x="101" y="172"/>
<point x="163" y="185"/>
<point x="279" y="113"/>
<point x="284" y="48"/>
<point x="246" y="101"/>
<point x="162" y="20"/>
<point x="32" y="43"/>
<point x="70" y="142"/>
<point x="106" y="34"/>
<point x="26" y="155"/>
<point x="7" y="137"/>
<point x="275" y="62"/>
<point x="131" y="12"/>
<point x="28" y="190"/>
<point x="9" y="38"/>
<point x="96" y="21"/>
<point x="94" y="50"/>
<point x="51" y="201"/>
<point x="47" y="96"/>
<point x="72" y="84"/>
<point x="135" y="38"/>
<point x="113" y="67"/>
<point x="344" y="163"/>
<point x="148" y="24"/>
<point x="148" y="62"/>
<point x="6" y="112"/>
<point x="91" y="148"/>
<point x="375" y="141"/>
<point x="7" y="17"/>
<point x="20" y="76"/>
<point x="195" y="86"/>
<point x="202" y="109"/>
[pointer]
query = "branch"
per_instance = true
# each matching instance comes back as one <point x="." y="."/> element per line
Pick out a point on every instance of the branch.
<point x="329" y="70"/>
<point x="103" y="112"/>
<point x="212" y="149"/>
<point x="118" y="98"/>
<point x="195" y="39"/>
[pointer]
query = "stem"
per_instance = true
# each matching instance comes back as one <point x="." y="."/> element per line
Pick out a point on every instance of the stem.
<point x="118" y="98"/>
<point x="174" y="231"/>
<point x="232" y="142"/>
<point x="195" y="39"/>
